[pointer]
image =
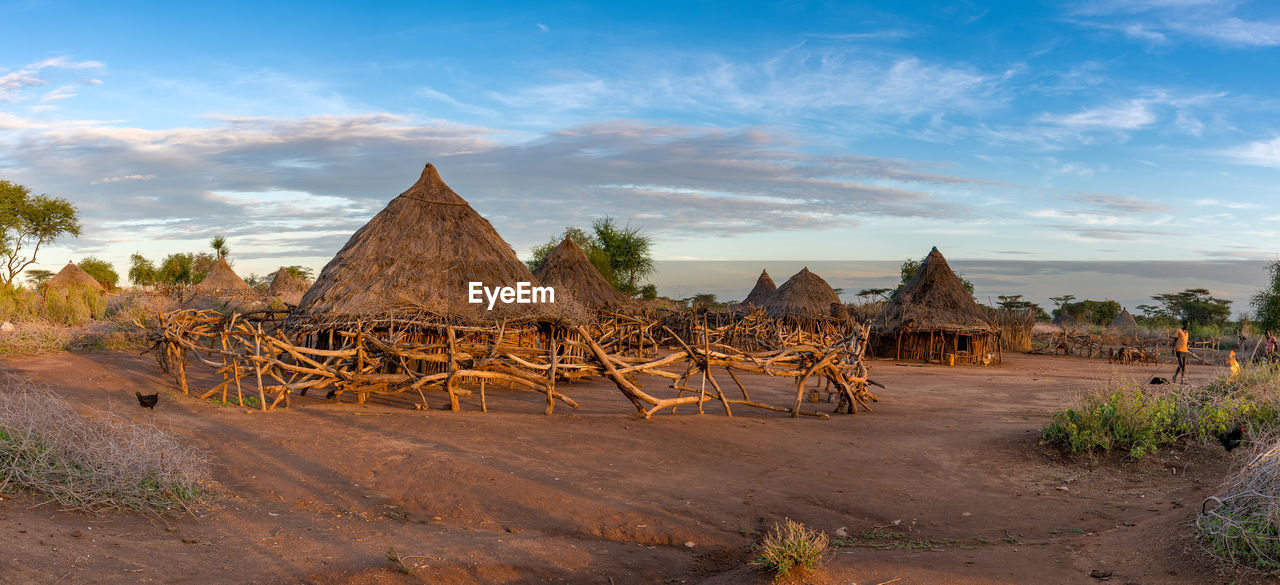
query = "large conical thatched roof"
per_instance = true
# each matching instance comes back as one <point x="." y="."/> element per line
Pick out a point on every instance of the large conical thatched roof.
<point x="1124" y="321"/>
<point x="935" y="300"/>
<point x="417" y="254"/>
<point x="222" y="282"/>
<point x="568" y="268"/>
<point x="763" y="290"/>
<point x="286" y="287"/>
<point x="805" y="293"/>
<point x="72" y="275"/>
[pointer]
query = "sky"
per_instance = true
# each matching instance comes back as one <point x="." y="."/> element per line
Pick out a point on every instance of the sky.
<point x="1011" y="135"/>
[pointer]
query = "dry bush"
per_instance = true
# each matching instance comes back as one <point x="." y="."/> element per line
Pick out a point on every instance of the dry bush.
<point x="1240" y="524"/>
<point x="111" y="328"/>
<point x="91" y="463"/>
<point x="790" y="546"/>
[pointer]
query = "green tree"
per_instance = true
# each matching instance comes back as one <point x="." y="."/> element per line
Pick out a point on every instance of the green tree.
<point x="185" y="268"/>
<point x="1089" y="311"/>
<point x="1266" y="302"/>
<point x="27" y="222"/>
<point x="37" y="276"/>
<point x="299" y="272"/>
<point x="219" y="245"/>
<point x="881" y="293"/>
<point x="1196" y="305"/>
<point x="101" y="270"/>
<point x="629" y="252"/>
<point x="649" y="292"/>
<point x="142" y="272"/>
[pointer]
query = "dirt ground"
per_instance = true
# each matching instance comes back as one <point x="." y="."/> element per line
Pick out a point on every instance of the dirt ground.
<point x="943" y="483"/>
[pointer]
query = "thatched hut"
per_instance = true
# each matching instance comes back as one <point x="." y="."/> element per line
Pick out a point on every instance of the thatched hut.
<point x="1066" y="321"/>
<point x="932" y="315"/>
<point x="419" y="255"/>
<point x="804" y="294"/>
<point x="286" y="287"/>
<point x="1125" y="322"/>
<point x="223" y="282"/>
<point x="568" y="269"/>
<point x="763" y="290"/>
<point x="72" y="276"/>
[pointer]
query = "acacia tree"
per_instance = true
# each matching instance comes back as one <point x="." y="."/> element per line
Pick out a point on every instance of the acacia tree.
<point x="27" y="222"/>
<point x="142" y="272"/>
<point x="37" y="276"/>
<point x="1267" y="300"/>
<point x="629" y="252"/>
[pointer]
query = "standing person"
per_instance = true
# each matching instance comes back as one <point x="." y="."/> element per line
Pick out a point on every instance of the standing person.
<point x="1180" y="340"/>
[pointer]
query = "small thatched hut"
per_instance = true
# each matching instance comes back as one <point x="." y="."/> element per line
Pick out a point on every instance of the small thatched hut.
<point x="286" y="287"/>
<point x="567" y="268"/>
<point x="1066" y="321"/>
<point x="932" y="315"/>
<point x="1125" y="322"/>
<point x="72" y="276"/>
<point x="419" y="255"/>
<point x="763" y="290"/>
<point x="223" y="283"/>
<point x="804" y="294"/>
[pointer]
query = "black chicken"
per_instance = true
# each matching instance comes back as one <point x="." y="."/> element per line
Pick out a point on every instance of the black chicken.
<point x="1231" y="439"/>
<point x="148" y="400"/>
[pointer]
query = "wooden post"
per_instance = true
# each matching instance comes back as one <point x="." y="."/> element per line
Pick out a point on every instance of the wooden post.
<point x="453" y="367"/>
<point x="551" y="375"/>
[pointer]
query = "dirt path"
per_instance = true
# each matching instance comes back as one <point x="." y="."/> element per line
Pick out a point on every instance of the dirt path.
<point x="944" y="483"/>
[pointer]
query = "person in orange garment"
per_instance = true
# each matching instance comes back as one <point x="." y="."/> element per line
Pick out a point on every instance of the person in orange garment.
<point x="1180" y="349"/>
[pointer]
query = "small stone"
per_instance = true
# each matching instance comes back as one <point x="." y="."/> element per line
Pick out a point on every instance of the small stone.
<point x="191" y="541"/>
<point x="7" y="327"/>
<point x="76" y="533"/>
<point x="1100" y="574"/>
<point x="1063" y="488"/>
<point x="437" y="518"/>
<point x="690" y="544"/>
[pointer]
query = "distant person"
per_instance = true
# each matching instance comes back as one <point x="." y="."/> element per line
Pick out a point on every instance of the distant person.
<point x="1180" y="340"/>
<point x="1269" y="347"/>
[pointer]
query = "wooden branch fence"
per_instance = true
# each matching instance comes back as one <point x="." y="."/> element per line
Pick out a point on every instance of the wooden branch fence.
<point x="390" y="357"/>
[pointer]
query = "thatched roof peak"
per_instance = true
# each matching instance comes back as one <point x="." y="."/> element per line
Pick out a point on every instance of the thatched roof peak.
<point x="568" y="268"/>
<point x="1124" y="321"/>
<point x="935" y="299"/>
<point x="418" y="255"/>
<point x="763" y="290"/>
<point x="72" y="275"/>
<point x="805" y="293"/>
<point x="286" y="287"/>
<point x="222" y="281"/>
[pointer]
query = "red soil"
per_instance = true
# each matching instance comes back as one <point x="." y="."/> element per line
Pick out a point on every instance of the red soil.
<point x="319" y="492"/>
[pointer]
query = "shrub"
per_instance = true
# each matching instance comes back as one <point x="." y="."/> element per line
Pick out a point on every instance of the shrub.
<point x="791" y="545"/>
<point x="1138" y="419"/>
<point x="105" y="461"/>
<point x="1242" y="524"/>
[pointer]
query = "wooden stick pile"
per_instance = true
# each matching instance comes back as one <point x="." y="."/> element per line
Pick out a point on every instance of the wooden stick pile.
<point x="392" y="357"/>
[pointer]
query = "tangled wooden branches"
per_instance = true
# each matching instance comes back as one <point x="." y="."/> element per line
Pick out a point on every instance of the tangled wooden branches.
<point x="388" y="357"/>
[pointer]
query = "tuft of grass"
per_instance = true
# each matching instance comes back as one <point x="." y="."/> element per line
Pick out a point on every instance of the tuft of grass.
<point x="1138" y="419"/>
<point x="790" y="546"/>
<point x="92" y="463"/>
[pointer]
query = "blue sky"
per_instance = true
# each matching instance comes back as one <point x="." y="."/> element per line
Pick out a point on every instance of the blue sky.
<point x="793" y="131"/>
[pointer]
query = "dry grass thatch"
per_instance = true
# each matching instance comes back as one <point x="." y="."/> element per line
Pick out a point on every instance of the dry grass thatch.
<point x="419" y="254"/>
<point x="222" y="282"/>
<point x="72" y="276"/>
<point x="805" y="293"/>
<point x="1124" y="321"/>
<point x="567" y="268"/>
<point x="935" y="300"/>
<point x="763" y="290"/>
<point x="286" y="287"/>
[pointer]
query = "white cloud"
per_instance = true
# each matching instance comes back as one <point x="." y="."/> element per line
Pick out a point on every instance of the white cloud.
<point x="124" y="178"/>
<point x="32" y="75"/>
<point x="1263" y="153"/>
<point x="543" y="27"/>
<point x="1132" y="114"/>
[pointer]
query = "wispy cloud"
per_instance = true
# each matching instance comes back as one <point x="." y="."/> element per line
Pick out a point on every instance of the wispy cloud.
<point x="33" y="75"/>
<point x="1155" y="21"/>
<point x="1262" y="153"/>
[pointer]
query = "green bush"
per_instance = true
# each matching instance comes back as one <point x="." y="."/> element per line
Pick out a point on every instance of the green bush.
<point x="790" y="546"/>
<point x="1138" y="420"/>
